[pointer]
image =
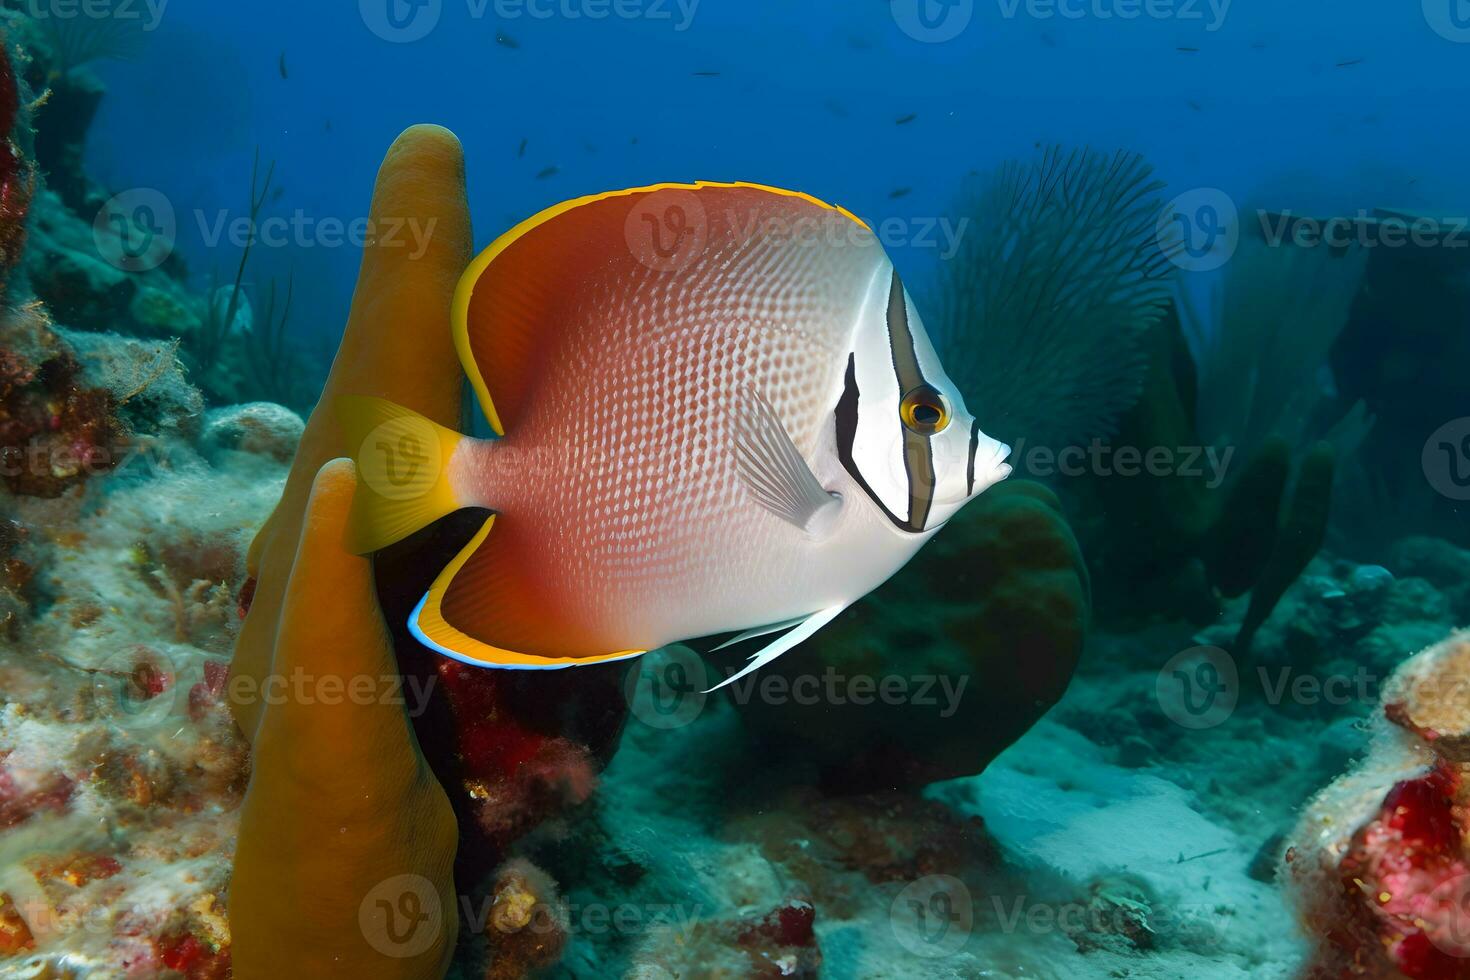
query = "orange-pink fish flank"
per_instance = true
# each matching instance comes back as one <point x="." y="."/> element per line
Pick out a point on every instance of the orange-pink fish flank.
<point x="717" y="411"/>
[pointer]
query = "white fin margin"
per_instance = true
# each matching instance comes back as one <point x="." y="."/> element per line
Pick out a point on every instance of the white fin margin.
<point x="805" y="629"/>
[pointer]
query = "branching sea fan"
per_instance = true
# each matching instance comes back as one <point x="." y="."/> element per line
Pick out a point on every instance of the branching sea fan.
<point x="1046" y="301"/>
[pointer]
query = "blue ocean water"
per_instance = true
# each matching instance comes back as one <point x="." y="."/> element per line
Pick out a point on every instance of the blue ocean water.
<point x="1320" y="104"/>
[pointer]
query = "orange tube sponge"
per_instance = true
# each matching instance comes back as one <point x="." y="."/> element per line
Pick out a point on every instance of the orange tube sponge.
<point x="397" y="345"/>
<point x="344" y="866"/>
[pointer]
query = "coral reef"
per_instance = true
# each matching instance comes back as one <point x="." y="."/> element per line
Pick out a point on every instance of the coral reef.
<point x="522" y="931"/>
<point x="55" y="429"/>
<point x="80" y="242"/>
<point x="220" y="761"/>
<point x="120" y="768"/>
<point x="1378" y="862"/>
<point x="685" y="863"/>
<point x="259" y="427"/>
<point x="17" y="171"/>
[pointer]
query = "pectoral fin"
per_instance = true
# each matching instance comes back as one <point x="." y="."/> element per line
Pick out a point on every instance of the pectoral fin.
<point x="807" y="628"/>
<point x="772" y="469"/>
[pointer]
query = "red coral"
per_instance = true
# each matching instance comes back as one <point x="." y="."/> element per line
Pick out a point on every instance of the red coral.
<point x="196" y="960"/>
<point x="513" y="775"/>
<point x="17" y="174"/>
<point x="1405" y="882"/>
<point x="784" y="942"/>
<point x="18" y="805"/>
<point x="790" y="925"/>
<point x="205" y="695"/>
<point x="54" y="431"/>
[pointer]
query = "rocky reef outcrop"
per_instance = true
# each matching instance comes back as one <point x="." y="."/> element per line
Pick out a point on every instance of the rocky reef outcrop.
<point x="1378" y="864"/>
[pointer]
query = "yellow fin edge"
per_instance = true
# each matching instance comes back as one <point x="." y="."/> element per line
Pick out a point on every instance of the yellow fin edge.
<point x="465" y="290"/>
<point x="430" y="628"/>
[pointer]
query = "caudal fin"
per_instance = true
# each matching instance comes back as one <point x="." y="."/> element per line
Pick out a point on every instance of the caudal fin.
<point x="402" y="471"/>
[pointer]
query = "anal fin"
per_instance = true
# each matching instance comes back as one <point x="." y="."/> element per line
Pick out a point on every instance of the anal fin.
<point x="481" y="611"/>
<point x="751" y="634"/>
<point x="805" y="629"/>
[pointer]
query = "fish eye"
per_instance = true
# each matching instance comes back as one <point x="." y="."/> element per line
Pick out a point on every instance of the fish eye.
<point x="924" y="410"/>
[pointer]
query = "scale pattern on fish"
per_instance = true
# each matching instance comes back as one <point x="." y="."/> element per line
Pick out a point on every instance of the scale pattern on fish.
<point x="716" y="410"/>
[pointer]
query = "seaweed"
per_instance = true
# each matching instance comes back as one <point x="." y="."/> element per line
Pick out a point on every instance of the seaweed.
<point x="273" y="362"/>
<point x="1260" y="335"/>
<point x="208" y="342"/>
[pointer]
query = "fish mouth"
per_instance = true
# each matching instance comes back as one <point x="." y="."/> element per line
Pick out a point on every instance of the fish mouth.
<point x="987" y="465"/>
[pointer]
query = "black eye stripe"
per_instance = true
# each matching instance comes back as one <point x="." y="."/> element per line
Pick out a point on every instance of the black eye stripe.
<point x="847" y="424"/>
<point x="918" y="453"/>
